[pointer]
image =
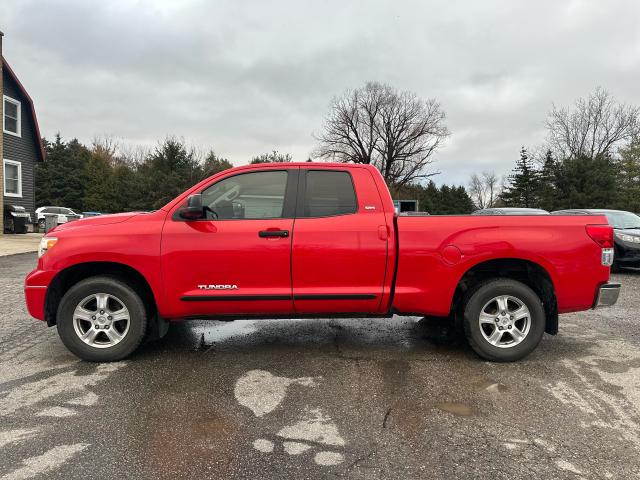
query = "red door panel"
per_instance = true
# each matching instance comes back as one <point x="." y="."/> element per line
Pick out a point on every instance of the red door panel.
<point x="339" y="262"/>
<point x="227" y="253"/>
<point x="235" y="262"/>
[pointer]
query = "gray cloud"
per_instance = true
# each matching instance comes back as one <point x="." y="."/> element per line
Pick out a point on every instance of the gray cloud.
<point x="247" y="77"/>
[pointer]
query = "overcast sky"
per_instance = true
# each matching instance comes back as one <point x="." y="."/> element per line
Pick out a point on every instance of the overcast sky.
<point x="247" y="77"/>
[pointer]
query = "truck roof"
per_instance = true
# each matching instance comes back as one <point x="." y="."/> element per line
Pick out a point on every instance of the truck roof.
<point x="307" y="164"/>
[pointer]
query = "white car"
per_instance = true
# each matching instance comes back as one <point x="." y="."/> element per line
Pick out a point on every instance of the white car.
<point x="63" y="215"/>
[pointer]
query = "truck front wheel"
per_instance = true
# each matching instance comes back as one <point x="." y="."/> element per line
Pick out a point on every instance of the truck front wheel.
<point x="101" y="319"/>
<point x="504" y="320"/>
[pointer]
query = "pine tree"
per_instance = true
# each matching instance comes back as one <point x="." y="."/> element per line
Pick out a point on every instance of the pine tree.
<point x="523" y="183"/>
<point x="547" y="183"/>
<point x="584" y="182"/>
<point x="629" y="184"/>
<point x="444" y="200"/>
<point x="214" y="164"/>
<point x="430" y="198"/>
<point x="462" y="200"/>
<point x="98" y="173"/>
<point x="167" y="171"/>
<point x="61" y="180"/>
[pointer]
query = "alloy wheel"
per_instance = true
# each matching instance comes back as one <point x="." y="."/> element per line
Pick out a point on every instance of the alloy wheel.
<point x="505" y="321"/>
<point x="101" y="320"/>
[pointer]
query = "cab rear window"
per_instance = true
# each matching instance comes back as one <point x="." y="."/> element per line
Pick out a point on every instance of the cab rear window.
<point x="329" y="193"/>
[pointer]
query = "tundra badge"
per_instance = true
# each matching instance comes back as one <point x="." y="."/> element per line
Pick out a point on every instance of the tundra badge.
<point x="218" y="287"/>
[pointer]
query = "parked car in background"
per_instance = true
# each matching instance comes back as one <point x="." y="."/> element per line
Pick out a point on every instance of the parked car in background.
<point x="64" y="215"/>
<point x="16" y="219"/>
<point x="90" y="214"/>
<point x="510" y="211"/>
<point x="626" y="229"/>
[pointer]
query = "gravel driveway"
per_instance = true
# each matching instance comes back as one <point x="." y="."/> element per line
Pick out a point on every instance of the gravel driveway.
<point x="320" y="399"/>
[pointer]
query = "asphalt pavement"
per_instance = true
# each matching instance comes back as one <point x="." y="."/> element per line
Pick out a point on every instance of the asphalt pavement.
<point x="354" y="398"/>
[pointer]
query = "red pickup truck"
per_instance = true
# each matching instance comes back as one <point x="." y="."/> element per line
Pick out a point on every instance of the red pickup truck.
<point x="317" y="240"/>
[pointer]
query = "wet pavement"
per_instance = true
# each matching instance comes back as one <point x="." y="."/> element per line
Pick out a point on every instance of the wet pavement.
<point x="320" y="399"/>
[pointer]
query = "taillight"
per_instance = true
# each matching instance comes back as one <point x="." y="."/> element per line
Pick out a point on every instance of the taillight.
<point x="601" y="234"/>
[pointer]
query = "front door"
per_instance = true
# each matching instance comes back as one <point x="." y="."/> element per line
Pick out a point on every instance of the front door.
<point x="238" y="259"/>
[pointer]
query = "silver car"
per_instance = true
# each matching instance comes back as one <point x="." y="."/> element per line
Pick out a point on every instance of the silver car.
<point x="63" y="215"/>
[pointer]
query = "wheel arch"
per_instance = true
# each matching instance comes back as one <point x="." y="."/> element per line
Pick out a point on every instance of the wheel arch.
<point x="73" y="274"/>
<point x="528" y="272"/>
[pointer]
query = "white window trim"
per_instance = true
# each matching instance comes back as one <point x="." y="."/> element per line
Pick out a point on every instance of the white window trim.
<point x="4" y="178"/>
<point x="17" y="104"/>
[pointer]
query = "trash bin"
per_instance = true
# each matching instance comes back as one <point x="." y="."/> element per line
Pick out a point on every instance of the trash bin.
<point x="50" y="221"/>
<point x="16" y="219"/>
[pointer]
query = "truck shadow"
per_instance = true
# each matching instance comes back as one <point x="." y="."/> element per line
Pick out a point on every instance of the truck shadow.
<point x="374" y="339"/>
<point x="346" y="336"/>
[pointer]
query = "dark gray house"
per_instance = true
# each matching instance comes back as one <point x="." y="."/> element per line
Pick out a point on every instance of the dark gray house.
<point x="21" y="145"/>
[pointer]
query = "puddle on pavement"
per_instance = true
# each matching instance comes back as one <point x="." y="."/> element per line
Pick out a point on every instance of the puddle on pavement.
<point x="206" y="333"/>
<point x="459" y="409"/>
<point x="491" y="386"/>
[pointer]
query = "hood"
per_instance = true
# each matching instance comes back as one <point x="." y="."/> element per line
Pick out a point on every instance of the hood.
<point x="99" y="220"/>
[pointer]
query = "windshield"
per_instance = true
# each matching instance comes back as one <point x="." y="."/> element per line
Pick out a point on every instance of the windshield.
<point x="623" y="220"/>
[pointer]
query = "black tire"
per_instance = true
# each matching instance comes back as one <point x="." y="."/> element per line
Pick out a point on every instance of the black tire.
<point x="126" y="295"/>
<point x="477" y="300"/>
<point x="615" y="267"/>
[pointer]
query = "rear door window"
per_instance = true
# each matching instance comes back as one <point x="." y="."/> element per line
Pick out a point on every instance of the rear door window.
<point x="328" y="193"/>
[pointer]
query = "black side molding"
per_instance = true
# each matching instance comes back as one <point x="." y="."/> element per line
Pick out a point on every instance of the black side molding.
<point x="233" y="298"/>
<point x="253" y="298"/>
<point x="363" y="296"/>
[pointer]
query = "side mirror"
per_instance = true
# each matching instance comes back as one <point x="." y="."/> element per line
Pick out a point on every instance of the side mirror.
<point x="194" y="209"/>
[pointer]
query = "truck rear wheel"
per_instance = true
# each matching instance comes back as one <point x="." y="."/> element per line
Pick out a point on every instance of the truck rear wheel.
<point x="504" y="320"/>
<point x="101" y="319"/>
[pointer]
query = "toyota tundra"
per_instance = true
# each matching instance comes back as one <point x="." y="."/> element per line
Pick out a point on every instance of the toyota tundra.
<point x="314" y="240"/>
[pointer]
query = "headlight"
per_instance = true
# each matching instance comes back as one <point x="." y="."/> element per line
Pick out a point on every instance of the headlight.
<point x="628" y="238"/>
<point x="46" y="243"/>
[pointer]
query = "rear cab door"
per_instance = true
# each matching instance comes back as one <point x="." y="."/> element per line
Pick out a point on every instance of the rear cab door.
<point x="340" y="242"/>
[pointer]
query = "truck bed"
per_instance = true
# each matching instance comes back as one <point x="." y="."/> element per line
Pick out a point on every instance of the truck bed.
<point x="436" y="251"/>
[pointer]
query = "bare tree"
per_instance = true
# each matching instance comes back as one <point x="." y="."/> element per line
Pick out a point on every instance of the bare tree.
<point x="595" y="127"/>
<point x="397" y="132"/>
<point x="118" y="153"/>
<point x="484" y="189"/>
<point x="106" y="147"/>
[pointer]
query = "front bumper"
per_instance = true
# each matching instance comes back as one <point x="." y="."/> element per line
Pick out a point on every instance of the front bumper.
<point x="607" y="295"/>
<point x="35" y="297"/>
<point x="35" y="291"/>
<point x="629" y="261"/>
<point x="627" y="254"/>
